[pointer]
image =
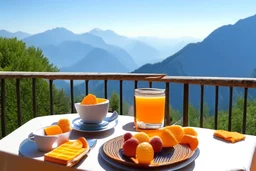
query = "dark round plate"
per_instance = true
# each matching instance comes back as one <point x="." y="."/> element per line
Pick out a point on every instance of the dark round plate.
<point x="168" y="156"/>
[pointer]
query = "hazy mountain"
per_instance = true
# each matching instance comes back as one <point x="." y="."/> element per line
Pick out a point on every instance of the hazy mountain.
<point x="97" y="60"/>
<point x="141" y="52"/>
<point x="168" y="46"/>
<point x="59" y="35"/>
<point x="66" y="53"/>
<point x="18" y="35"/>
<point x="50" y="41"/>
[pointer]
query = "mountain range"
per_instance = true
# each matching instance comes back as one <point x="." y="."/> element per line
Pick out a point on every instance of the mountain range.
<point x="19" y="35"/>
<point x="229" y="51"/>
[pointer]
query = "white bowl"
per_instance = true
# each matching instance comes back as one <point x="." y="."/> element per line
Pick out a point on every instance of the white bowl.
<point x="92" y="113"/>
<point x="45" y="142"/>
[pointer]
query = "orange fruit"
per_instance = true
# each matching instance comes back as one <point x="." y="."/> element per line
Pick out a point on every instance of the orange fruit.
<point x="191" y="140"/>
<point x="64" y="124"/>
<point x="141" y="137"/>
<point x="190" y="131"/>
<point x="168" y="138"/>
<point x="177" y="131"/>
<point x="89" y="99"/>
<point x="144" y="153"/>
<point x="52" y="130"/>
<point x="100" y="100"/>
<point x="152" y="133"/>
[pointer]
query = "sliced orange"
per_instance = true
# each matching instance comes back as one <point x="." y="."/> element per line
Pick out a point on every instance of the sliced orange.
<point x="64" y="124"/>
<point x="168" y="138"/>
<point x="100" y="100"/>
<point x="191" y="140"/>
<point x="89" y="99"/>
<point x="177" y="131"/>
<point x="190" y="131"/>
<point x="52" y="130"/>
<point x="80" y="143"/>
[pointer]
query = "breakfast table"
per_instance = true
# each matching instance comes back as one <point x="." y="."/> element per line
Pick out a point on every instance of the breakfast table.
<point x="214" y="154"/>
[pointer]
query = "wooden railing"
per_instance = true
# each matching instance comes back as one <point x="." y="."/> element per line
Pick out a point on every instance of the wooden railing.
<point x="186" y="81"/>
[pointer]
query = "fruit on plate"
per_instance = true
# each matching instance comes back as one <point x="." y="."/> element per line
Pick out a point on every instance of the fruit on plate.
<point x="156" y="143"/>
<point x="129" y="147"/>
<point x="89" y="99"/>
<point x="168" y="138"/>
<point x="144" y="153"/>
<point x="191" y="140"/>
<point x="177" y="131"/>
<point x="52" y="130"/>
<point x="64" y="124"/>
<point x="127" y="136"/>
<point x="141" y="137"/>
<point x="190" y="131"/>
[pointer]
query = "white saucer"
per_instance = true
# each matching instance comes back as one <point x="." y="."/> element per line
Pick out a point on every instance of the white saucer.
<point x="78" y="125"/>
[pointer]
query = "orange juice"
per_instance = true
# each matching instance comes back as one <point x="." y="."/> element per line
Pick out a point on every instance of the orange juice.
<point x="149" y="108"/>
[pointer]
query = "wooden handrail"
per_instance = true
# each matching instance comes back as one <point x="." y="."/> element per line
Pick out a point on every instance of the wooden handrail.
<point x="213" y="81"/>
<point x="82" y="76"/>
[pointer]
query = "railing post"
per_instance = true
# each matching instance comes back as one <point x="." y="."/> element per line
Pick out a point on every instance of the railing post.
<point x="18" y="101"/>
<point x="230" y="108"/>
<point x="121" y="97"/>
<point x="150" y="84"/>
<point x="202" y="107"/>
<point x="51" y="97"/>
<point x="72" y="95"/>
<point x="34" y="96"/>
<point x="185" y="104"/>
<point x="216" y="107"/>
<point x="86" y="87"/>
<point x="167" y="103"/>
<point x="3" y="101"/>
<point x="106" y="88"/>
<point x="245" y="109"/>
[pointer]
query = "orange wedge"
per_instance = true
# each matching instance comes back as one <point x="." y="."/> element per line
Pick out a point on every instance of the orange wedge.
<point x="191" y="140"/>
<point x="53" y="130"/>
<point x="168" y="138"/>
<point x="177" y="131"/>
<point x="190" y="131"/>
<point x="89" y="99"/>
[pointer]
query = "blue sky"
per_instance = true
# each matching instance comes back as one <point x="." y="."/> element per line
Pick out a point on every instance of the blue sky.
<point x="158" y="18"/>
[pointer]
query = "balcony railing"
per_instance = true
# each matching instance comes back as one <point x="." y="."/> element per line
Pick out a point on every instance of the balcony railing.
<point x="150" y="78"/>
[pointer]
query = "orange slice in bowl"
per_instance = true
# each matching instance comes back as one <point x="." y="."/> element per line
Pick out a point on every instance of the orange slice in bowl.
<point x="53" y="130"/>
<point x="100" y="100"/>
<point x="89" y="99"/>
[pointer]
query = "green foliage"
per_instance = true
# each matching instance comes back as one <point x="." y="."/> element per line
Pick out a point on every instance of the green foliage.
<point x="114" y="102"/>
<point x="15" y="56"/>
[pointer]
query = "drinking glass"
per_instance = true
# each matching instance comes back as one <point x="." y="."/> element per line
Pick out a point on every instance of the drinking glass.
<point x="149" y="108"/>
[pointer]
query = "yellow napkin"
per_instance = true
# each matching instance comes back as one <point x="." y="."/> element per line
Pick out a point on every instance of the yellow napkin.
<point x="229" y="136"/>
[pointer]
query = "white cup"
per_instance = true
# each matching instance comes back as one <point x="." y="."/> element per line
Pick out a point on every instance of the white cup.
<point x="46" y="143"/>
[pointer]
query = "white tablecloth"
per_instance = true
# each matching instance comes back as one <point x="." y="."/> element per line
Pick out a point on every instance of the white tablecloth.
<point x="215" y="154"/>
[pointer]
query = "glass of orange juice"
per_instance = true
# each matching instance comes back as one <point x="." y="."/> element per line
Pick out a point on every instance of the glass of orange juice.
<point x="149" y="108"/>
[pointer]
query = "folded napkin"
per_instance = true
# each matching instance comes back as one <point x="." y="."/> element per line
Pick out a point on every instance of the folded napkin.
<point x="229" y="136"/>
